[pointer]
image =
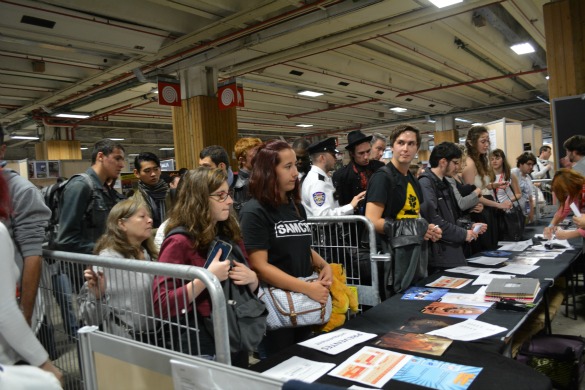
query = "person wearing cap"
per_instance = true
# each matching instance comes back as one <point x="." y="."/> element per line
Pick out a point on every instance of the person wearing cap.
<point x="317" y="192"/>
<point x="353" y="178"/>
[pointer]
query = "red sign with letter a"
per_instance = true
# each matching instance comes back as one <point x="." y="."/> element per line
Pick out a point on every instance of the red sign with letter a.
<point x="169" y="94"/>
<point x="229" y="96"/>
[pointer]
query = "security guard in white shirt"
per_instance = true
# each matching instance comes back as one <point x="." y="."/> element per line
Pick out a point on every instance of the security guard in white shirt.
<point x="318" y="192"/>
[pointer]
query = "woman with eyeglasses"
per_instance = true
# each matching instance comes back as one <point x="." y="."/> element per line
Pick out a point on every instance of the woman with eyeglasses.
<point x="204" y="212"/>
<point x="277" y="236"/>
<point x="477" y="172"/>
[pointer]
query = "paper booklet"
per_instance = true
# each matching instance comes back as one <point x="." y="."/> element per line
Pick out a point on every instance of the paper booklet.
<point x="517" y="288"/>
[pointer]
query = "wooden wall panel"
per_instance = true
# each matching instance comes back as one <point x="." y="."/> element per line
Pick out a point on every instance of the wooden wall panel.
<point x="199" y="123"/>
<point x="58" y="150"/>
<point x="446" y="135"/>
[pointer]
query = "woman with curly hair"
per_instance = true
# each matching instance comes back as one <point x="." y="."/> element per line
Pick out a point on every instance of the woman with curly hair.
<point x="204" y="211"/>
<point x="477" y="172"/>
<point x="568" y="186"/>
<point x="120" y="300"/>
<point x="277" y="236"/>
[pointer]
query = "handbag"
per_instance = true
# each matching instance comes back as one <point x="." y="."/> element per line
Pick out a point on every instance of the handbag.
<point x="289" y="309"/>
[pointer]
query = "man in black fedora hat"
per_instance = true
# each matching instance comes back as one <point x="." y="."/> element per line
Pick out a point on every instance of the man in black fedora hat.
<point x="353" y="178"/>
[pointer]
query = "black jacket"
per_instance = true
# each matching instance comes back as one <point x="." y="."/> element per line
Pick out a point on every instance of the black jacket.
<point x="347" y="183"/>
<point x="439" y="208"/>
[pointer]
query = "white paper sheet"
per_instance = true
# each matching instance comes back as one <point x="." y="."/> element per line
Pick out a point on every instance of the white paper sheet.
<point x="466" y="299"/>
<point x="338" y="341"/>
<point x="518" y="269"/>
<point x="485" y="279"/>
<point x="299" y="369"/>
<point x="470" y="270"/>
<point x="485" y="260"/>
<point x="516" y="246"/>
<point x="371" y="366"/>
<point x="468" y="330"/>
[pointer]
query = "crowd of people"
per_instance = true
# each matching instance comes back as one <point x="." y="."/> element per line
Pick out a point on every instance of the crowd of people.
<point x="429" y="219"/>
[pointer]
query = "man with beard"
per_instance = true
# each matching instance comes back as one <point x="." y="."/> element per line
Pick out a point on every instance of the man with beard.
<point x="300" y="146"/>
<point x="353" y="178"/>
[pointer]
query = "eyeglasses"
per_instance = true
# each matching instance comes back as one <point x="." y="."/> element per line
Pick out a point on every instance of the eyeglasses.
<point x="221" y="196"/>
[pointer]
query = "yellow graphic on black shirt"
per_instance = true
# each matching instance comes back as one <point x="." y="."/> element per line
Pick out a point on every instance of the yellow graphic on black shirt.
<point x="411" y="208"/>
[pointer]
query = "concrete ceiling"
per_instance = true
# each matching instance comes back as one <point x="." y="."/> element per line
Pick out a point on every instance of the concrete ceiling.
<point x="366" y="56"/>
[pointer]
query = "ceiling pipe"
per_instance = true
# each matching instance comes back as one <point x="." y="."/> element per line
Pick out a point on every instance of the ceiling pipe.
<point x="333" y="108"/>
<point x="466" y="83"/>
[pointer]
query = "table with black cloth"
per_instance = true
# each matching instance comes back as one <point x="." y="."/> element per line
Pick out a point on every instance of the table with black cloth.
<point x="499" y="372"/>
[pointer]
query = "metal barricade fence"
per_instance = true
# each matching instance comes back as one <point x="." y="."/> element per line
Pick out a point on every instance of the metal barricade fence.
<point x="125" y="307"/>
<point x="351" y="241"/>
<point x="544" y="201"/>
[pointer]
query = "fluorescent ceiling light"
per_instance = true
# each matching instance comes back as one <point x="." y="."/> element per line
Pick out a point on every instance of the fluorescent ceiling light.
<point x="133" y="155"/>
<point x="462" y="120"/>
<point x="522" y="48"/>
<point x="431" y="121"/>
<point x="547" y="77"/>
<point x="72" y="115"/>
<point x="166" y="149"/>
<point x="304" y="125"/>
<point x="117" y="139"/>
<point x="398" y="109"/>
<point x="430" y="136"/>
<point x="477" y="124"/>
<point x="310" y="93"/>
<point x="23" y="137"/>
<point x="83" y="148"/>
<point x="444" y="3"/>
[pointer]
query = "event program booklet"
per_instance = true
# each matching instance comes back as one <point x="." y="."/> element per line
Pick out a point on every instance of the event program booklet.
<point x="426" y="324"/>
<point x="424" y="293"/>
<point x="448" y="282"/>
<point x="299" y="369"/>
<point x="468" y="330"/>
<point x="456" y="310"/>
<point x="436" y="374"/>
<point x="337" y="341"/>
<point x="414" y="342"/>
<point x="371" y="366"/>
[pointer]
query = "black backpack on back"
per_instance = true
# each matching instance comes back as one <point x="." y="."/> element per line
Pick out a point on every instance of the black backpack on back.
<point x="246" y="314"/>
<point x="52" y="195"/>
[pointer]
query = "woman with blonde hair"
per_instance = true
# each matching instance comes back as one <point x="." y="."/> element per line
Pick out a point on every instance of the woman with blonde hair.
<point x="568" y="186"/>
<point x="121" y="301"/>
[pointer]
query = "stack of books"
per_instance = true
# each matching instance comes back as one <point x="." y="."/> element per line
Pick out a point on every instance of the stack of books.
<point x="520" y="289"/>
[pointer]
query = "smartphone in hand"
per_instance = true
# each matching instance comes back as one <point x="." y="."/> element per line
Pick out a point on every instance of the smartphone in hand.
<point x="226" y="249"/>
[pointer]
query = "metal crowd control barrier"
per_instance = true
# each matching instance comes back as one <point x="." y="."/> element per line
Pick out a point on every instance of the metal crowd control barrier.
<point x="60" y="315"/>
<point x="541" y="205"/>
<point x="111" y="362"/>
<point x="351" y="240"/>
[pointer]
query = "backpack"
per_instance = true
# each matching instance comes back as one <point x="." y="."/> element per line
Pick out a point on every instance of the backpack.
<point x="52" y="195"/>
<point x="246" y="313"/>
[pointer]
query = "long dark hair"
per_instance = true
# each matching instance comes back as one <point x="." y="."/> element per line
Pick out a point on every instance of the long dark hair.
<point x="505" y="165"/>
<point x="480" y="160"/>
<point x="263" y="181"/>
<point x="4" y="197"/>
<point x="192" y="210"/>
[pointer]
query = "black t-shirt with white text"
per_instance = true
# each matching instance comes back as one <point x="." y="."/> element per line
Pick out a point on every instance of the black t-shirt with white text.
<point x="282" y="232"/>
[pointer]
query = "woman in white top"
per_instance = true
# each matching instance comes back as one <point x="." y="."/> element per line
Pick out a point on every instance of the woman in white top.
<point x="502" y="174"/>
<point x="17" y="341"/>
<point x="477" y="172"/>
<point x="121" y="301"/>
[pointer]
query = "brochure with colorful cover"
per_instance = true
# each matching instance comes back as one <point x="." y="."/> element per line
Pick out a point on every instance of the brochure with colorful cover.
<point x="449" y="282"/>
<point x="436" y="374"/>
<point x="426" y="324"/>
<point x="456" y="310"/>
<point x="424" y="293"/>
<point x="414" y="342"/>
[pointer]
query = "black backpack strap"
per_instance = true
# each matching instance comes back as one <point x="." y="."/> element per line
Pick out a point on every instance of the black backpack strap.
<point x="178" y="230"/>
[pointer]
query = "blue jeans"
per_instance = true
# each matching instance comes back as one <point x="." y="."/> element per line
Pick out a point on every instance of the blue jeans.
<point x="64" y="296"/>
